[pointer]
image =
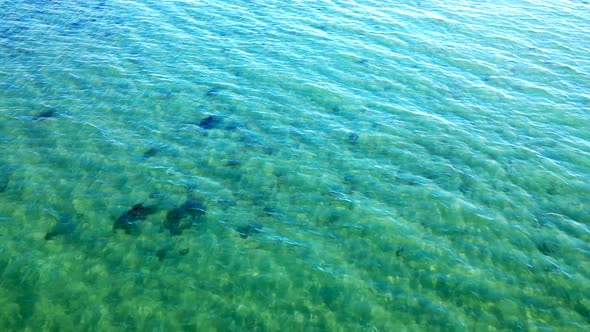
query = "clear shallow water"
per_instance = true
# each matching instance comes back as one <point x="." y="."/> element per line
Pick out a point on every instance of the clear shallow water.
<point x="399" y="166"/>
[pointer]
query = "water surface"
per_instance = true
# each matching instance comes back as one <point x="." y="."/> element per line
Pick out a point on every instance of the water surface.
<point x="359" y="165"/>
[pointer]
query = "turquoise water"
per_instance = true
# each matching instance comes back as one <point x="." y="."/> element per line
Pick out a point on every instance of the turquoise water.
<point x="301" y="165"/>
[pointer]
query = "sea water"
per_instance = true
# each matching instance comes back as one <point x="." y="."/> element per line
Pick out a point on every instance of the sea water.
<point x="362" y="165"/>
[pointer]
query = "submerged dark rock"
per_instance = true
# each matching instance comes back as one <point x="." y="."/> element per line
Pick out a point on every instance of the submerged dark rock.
<point x="250" y="229"/>
<point x="60" y="229"/>
<point x="50" y="113"/>
<point x="151" y="152"/>
<point x="5" y="177"/>
<point x="547" y="248"/>
<point x="183" y="217"/>
<point x="213" y="91"/>
<point x="400" y="251"/>
<point x="169" y="252"/>
<point x="270" y="211"/>
<point x="210" y="122"/>
<point x="329" y="295"/>
<point x="161" y="254"/>
<point x="101" y="5"/>
<point x="64" y="226"/>
<point x="234" y="126"/>
<point x="352" y="137"/>
<point x="128" y="220"/>
<point x="4" y="181"/>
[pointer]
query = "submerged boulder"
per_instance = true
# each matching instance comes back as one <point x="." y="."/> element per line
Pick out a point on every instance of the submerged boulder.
<point x="210" y="122"/>
<point x="184" y="216"/>
<point x="46" y="114"/>
<point x="247" y="230"/>
<point x="128" y="220"/>
<point x="65" y="225"/>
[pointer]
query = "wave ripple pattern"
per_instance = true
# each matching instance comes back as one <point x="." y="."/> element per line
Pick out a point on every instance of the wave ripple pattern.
<point x="329" y="165"/>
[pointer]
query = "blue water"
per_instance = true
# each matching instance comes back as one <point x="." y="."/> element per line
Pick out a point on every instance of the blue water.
<point x="294" y="165"/>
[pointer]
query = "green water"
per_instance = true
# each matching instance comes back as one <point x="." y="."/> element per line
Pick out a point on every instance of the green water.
<point x="369" y="166"/>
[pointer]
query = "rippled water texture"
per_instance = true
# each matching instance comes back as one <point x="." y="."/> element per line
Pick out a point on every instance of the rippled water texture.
<point x="294" y="165"/>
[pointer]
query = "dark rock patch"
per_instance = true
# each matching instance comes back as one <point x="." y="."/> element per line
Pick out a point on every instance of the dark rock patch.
<point x="210" y="122"/>
<point x="329" y="295"/>
<point x="352" y="137"/>
<point x="582" y="310"/>
<point x="151" y="152"/>
<point x="400" y="251"/>
<point x="234" y="126"/>
<point x="50" y="113"/>
<point x="128" y="220"/>
<point x="168" y="253"/>
<point x="161" y="254"/>
<point x="233" y="163"/>
<point x="183" y="217"/>
<point x="547" y="248"/>
<point x="270" y="211"/>
<point x="156" y="194"/>
<point x="226" y="203"/>
<point x="248" y="230"/>
<point x="62" y="227"/>
<point x="65" y="225"/>
<point x="213" y="91"/>
<point x="101" y="5"/>
<point x="4" y="180"/>
<point x="6" y="172"/>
